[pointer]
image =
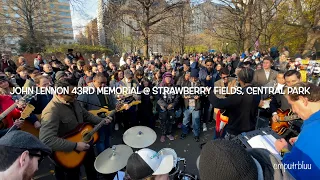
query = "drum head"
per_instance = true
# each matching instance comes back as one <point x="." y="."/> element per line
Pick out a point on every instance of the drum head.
<point x="169" y="151"/>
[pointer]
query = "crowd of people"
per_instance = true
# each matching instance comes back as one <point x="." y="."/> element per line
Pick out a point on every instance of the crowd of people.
<point x="56" y="115"/>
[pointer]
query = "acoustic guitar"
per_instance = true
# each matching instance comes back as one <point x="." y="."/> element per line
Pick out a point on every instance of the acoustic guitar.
<point x="25" y="114"/>
<point x="284" y="117"/>
<point x="84" y="132"/>
<point x="107" y="111"/>
<point x="24" y="99"/>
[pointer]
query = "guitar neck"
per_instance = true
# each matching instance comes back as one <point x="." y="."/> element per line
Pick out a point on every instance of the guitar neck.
<point x="290" y="118"/>
<point x="13" y="106"/>
<point x="97" y="127"/>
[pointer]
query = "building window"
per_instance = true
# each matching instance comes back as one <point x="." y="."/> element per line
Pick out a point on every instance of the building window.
<point x="66" y="20"/>
<point x="51" y="5"/>
<point x="8" y="21"/>
<point x="16" y="15"/>
<point x="64" y="7"/>
<point x="5" y="7"/>
<point x="15" y="8"/>
<point x="64" y="1"/>
<point x="64" y="13"/>
<point x="67" y="25"/>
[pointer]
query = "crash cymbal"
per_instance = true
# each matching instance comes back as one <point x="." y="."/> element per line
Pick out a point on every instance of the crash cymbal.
<point x="139" y="137"/>
<point x="113" y="159"/>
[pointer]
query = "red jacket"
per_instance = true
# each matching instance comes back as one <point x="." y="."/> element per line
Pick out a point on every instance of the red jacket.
<point x="5" y="102"/>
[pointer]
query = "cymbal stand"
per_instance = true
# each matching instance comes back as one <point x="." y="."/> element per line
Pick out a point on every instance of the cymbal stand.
<point x="114" y="148"/>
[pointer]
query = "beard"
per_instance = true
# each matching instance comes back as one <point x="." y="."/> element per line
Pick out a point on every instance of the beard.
<point x="28" y="173"/>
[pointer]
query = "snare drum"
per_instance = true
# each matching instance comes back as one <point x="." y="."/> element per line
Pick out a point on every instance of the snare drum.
<point x="185" y="176"/>
<point x="169" y="151"/>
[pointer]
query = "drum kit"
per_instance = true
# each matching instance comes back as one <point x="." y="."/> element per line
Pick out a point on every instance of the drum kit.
<point x="115" y="159"/>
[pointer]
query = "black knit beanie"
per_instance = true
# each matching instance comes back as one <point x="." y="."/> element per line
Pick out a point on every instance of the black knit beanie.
<point x="226" y="160"/>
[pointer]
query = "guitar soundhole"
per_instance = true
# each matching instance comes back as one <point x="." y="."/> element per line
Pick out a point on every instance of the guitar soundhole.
<point x="86" y="137"/>
<point x="102" y="114"/>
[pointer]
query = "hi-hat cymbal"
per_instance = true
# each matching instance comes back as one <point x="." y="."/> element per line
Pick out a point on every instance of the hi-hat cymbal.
<point x="113" y="159"/>
<point x="139" y="137"/>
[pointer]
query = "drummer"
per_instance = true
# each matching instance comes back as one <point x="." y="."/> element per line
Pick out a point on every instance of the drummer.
<point x="147" y="164"/>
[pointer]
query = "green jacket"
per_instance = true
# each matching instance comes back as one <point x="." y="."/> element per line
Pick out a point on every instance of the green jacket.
<point x="58" y="119"/>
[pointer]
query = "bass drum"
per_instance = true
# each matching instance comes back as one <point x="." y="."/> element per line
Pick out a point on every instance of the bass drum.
<point x="169" y="151"/>
<point x="185" y="176"/>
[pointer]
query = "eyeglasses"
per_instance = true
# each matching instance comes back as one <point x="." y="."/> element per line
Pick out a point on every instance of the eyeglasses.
<point x="37" y="155"/>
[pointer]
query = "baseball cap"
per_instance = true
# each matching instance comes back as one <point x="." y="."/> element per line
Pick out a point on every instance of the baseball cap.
<point x="147" y="162"/>
<point x="24" y="140"/>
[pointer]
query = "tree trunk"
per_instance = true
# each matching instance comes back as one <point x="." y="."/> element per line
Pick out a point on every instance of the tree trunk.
<point x="248" y="28"/>
<point x="146" y="46"/>
<point x="312" y="37"/>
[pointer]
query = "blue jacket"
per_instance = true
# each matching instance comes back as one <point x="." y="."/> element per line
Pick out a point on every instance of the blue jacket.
<point x="203" y="75"/>
<point x="306" y="150"/>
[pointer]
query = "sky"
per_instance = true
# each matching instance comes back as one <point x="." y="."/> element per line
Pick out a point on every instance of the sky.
<point x="81" y="18"/>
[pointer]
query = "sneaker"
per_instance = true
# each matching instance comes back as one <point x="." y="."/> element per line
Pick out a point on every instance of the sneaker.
<point x="204" y="127"/>
<point x="163" y="139"/>
<point x="170" y="137"/>
<point x="116" y="127"/>
<point x="183" y="136"/>
<point x="196" y="138"/>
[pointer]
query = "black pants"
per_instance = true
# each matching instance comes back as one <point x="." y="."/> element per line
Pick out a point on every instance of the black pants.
<point x="130" y="118"/>
<point x="207" y="112"/>
<point x="167" y="119"/>
<point x="74" y="174"/>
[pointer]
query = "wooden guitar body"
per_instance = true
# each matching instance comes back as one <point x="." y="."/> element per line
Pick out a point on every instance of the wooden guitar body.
<point x="28" y="127"/>
<point x="74" y="159"/>
<point x="280" y="127"/>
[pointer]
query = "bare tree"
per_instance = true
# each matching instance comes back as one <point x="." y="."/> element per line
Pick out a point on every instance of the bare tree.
<point x="33" y="21"/>
<point x="146" y="14"/>
<point x="240" y="21"/>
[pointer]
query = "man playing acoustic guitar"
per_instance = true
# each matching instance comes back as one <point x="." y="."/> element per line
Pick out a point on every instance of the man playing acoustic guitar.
<point x="61" y="116"/>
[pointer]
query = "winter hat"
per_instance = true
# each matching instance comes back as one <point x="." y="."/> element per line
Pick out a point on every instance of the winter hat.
<point x="194" y="73"/>
<point x="186" y="62"/>
<point x="60" y="74"/>
<point x="147" y="162"/>
<point x="166" y="74"/>
<point x="223" y="159"/>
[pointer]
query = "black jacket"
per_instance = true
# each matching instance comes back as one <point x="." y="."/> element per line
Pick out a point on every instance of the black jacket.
<point x="241" y="109"/>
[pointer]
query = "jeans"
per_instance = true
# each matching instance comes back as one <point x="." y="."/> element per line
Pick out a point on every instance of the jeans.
<point x="104" y="138"/>
<point x="195" y="121"/>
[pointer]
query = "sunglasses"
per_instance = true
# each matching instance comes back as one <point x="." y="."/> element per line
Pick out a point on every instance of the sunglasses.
<point x="41" y="158"/>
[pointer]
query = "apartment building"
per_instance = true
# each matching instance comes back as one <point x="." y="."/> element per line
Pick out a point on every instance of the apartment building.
<point x="51" y="21"/>
<point x="203" y="14"/>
